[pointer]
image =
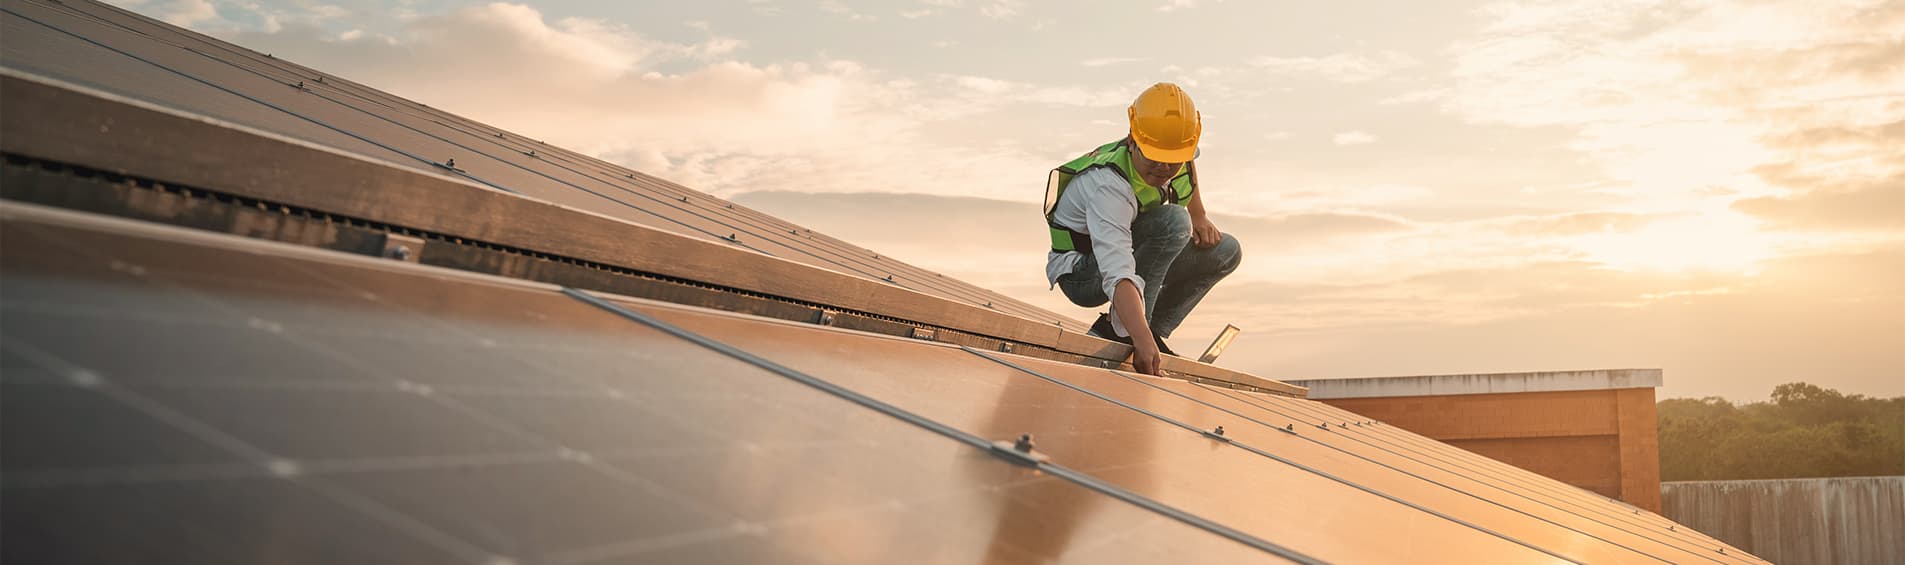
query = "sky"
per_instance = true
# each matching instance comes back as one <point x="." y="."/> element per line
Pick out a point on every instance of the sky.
<point x="1715" y="188"/>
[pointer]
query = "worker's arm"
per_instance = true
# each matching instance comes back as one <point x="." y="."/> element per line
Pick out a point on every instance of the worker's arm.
<point x="1204" y="234"/>
<point x="1129" y="303"/>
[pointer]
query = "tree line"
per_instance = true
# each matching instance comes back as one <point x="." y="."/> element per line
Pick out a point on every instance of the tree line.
<point x="1803" y="430"/>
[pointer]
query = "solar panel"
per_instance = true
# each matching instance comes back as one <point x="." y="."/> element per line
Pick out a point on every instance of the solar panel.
<point x="178" y="396"/>
<point x="532" y="428"/>
<point x="1555" y="502"/>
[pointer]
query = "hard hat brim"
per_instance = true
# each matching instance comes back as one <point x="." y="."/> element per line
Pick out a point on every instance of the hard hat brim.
<point x="1163" y="155"/>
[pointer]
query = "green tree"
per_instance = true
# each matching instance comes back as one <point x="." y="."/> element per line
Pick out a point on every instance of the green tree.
<point x="1804" y="430"/>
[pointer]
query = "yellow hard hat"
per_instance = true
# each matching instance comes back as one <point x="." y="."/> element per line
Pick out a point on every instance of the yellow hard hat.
<point x="1166" y="124"/>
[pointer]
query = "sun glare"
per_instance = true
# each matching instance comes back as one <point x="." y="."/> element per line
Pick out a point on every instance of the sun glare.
<point x="1723" y="242"/>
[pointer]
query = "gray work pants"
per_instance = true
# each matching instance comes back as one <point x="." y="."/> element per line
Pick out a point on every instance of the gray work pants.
<point x="1176" y="274"/>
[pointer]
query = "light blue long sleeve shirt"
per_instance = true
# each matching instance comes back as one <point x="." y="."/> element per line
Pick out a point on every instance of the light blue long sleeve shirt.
<point x="1101" y="204"/>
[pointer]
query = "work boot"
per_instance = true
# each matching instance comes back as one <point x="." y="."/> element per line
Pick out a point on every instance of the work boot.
<point x="1102" y="329"/>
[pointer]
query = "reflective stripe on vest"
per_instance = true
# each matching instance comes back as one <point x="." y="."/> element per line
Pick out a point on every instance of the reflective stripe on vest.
<point x="1116" y="156"/>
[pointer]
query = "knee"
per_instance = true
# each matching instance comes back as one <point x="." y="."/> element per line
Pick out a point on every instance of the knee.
<point x="1230" y="253"/>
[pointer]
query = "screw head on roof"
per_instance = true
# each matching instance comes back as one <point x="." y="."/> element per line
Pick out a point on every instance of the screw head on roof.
<point x="499" y="134"/>
<point x="1323" y="426"/>
<point x="684" y="198"/>
<point x="1024" y="443"/>
<point x="400" y="253"/>
<point x="1218" y="431"/>
<point x="320" y="79"/>
<point x="734" y="237"/>
<point x="1670" y="528"/>
<point x="889" y="278"/>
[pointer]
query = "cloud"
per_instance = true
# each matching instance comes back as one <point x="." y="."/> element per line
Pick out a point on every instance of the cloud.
<point x="690" y="111"/>
<point x="838" y="8"/>
<point x="1175" y="5"/>
<point x="1676" y="99"/>
<point x="1353" y="138"/>
<point x="1578" y="223"/>
<point x="1001" y="9"/>
<point x="1108" y="61"/>
<point x="1877" y="207"/>
<point x="182" y="13"/>
<point x="1339" y="67"/>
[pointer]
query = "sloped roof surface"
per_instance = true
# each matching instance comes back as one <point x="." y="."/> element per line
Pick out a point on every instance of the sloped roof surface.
<point x="174" y="395"/>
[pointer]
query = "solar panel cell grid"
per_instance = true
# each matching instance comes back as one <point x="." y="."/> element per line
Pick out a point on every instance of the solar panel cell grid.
<point x="562" y="435"/>
<point x="1244" y="490"/>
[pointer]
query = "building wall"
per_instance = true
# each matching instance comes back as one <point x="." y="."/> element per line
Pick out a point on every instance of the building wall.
<point x="1605" y="440"/>
<point x="1797" y="521"/>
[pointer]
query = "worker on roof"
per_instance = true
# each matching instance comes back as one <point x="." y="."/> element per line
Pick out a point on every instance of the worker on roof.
<point x="1128" y="227"/>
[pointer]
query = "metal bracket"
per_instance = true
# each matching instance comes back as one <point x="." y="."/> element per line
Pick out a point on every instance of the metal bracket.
<point x="924" y="333"/>
<point x="402" y="247"/>
<point x="1005" y="347"/>
<point x="1217" y="434"/>
<point x="824" y="318"/>
<point x="1019" y="452"/>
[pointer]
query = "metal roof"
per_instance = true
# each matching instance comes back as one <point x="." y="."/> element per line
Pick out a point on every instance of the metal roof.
<point x="247" y="315"/>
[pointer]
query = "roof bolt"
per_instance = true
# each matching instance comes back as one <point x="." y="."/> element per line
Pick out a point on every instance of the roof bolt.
<point x="730" y="205"/>
<point x="889" y="278"/>
<point x="532" y="153"/>
<point x="1289" y="428"/>
<point x="988" y="303"/>
<point x="684" y="198"/>
<point x="1218" y="431"/>
<point x="795" y="231"/>
<point x="826" y="318"/>
<point x="1722" y="551"/>
<point x="1670" y="528"/>
<point x="320" y="79"/>
<point x="734" y="237"/>
<point x="1005" y="348"/>
<point x="499" y="135"/>
<point x="1323" y="425"/>
<point x="631" y="175"/>
<point x="400" y="253"/>
<point x="1024" y="443"/>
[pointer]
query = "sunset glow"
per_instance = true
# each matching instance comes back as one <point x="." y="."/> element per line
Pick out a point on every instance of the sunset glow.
<point x="1449" y="187"/>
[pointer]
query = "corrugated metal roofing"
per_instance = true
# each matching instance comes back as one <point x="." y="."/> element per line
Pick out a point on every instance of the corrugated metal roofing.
<point x="176" y="395"/>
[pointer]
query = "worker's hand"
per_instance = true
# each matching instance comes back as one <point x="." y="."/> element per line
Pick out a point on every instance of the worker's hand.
<point x="1144" y="356"/>
<point x="1204" y="234"/>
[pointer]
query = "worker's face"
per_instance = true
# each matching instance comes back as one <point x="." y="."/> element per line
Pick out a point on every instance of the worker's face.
<point x="1153" y="172"/>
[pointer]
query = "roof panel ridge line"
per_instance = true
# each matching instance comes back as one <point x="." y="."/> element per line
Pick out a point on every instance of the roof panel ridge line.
<point x="934" y="426"/>
<point x="75" y="146"/>
<point x="664" y="202"/>
<point x="259" y="101"/>
<point x="1640" y="534"/>
<point x="1266" y="454"/>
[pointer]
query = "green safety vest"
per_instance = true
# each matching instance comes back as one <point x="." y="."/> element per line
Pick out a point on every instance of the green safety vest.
<point x="1117" y="156"/>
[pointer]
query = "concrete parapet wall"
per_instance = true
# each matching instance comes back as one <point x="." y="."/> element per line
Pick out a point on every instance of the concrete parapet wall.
<point x="1490" y="383"/>
<point x="1797" y="521"/>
